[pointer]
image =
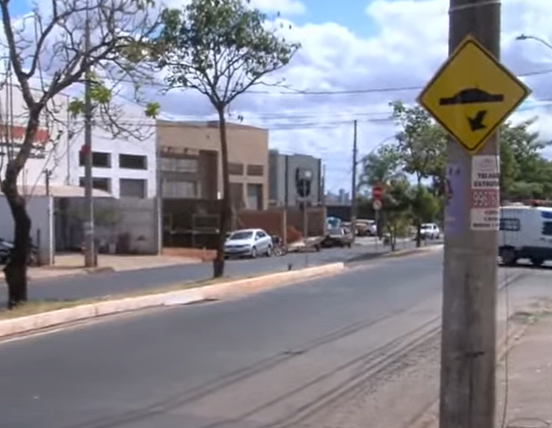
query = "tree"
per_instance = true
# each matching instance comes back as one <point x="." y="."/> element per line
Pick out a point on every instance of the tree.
<point x="397" y="203"/>
<point x="425" y="206"/>
<point x="221" y="48"/>
<point x="380" y="166"/>
<point x="49" y="54"/>
<point x="525" y="173"/>
<point x="421" y="145"/>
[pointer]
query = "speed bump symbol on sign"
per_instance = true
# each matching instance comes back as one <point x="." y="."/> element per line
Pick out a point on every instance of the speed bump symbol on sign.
<point x="472" y="94"/>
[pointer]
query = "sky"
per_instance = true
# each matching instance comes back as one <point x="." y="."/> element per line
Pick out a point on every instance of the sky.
<point x="361" y="55"/>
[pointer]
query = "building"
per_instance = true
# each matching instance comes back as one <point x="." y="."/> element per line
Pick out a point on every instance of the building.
<point x="190" y="163"/>
<point x="341" y="198"/>
<point x="124" y="166"/>
<point x="48" y="154"/>
<point x="283" y="170"/>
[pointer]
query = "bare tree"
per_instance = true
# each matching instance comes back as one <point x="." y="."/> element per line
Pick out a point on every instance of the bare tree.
<point x="48" y="54"/>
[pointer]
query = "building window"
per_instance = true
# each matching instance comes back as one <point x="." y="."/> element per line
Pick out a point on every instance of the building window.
<point x="254" y="197"/>
<point x="510" y="224"/>
<point x="174" y="164"/>
<point x="99" y="159"/>
<point x="132" y="188"/>
<point x="255" y="170"/>
<point x="180" y="189"/>
<point x="547" y="228"/>
<point x="235" y="168"/>
<point x="133" y="162"/>
<point x="98" y="183"/>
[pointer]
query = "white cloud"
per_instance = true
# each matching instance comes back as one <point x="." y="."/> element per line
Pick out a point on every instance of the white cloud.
<point x="287" y="7"/>
<point x="407" y="44"/>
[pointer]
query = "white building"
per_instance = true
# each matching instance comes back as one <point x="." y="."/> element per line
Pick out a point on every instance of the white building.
<point x="122" y="166"/>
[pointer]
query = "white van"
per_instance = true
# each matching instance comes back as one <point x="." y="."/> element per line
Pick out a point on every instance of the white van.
<point x="525" y="233"/>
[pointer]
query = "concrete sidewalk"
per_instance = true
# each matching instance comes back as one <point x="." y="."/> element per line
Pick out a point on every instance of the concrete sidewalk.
<point x="524" y="393"/>
<point x="73" y="264"/>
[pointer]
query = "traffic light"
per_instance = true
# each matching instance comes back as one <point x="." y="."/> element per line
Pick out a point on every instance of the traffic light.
<point x="303" y="179"/>
<point x="303" y="187"/>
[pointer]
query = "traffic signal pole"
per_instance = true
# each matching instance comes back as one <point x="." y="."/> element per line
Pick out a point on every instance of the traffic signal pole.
<point x="468" y="351"/>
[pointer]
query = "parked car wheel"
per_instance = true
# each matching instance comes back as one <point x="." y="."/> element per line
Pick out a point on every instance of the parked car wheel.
<point x="537" y="262"/>
<point x="253" y="253"/>
<point x="269" y="251"/>
<point x="508" y="256"/>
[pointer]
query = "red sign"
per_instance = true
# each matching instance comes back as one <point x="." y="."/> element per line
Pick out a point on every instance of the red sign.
<point x="17" y="133"/>
<point x="377" y="192"/>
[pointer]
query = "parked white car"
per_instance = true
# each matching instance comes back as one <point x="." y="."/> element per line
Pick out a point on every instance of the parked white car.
<point x="248" y="243"/>
<point x="430" y="231"/>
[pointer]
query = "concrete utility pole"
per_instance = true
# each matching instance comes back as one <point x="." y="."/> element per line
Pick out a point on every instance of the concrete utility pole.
<point x="470" y="270"/>
<point x="353" y="183"/>
<point x="90" y="250"/>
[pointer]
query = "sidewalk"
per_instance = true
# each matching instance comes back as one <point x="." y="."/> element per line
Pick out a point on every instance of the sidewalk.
<point x="73" y="264"/>
<point x="524" y="383"/>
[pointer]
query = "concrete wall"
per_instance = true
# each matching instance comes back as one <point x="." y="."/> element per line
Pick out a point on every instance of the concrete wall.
<point x="283" y="190"/>
<point x="128" y="225"/>
<point x="40" y="209"/>
<point x="247" y="145"/>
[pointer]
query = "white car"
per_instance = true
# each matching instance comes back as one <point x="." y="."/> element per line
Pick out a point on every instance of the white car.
<point x="430" y="231"/>
<point x="248" y="243"/>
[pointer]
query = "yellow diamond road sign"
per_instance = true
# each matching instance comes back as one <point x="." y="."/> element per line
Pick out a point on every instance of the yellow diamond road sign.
<point x="472" y="94"/>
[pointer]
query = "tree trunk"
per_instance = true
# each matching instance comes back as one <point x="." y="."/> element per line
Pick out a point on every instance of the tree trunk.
<point x="16" y="270"/>
<point x="418" y="222"/>
<point x="226" y="205"/>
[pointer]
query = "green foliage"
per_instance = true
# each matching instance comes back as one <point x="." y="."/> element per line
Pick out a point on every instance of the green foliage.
<point x="421" y="143"/>
<point x="425" y="206"/>
<point x="525" y="173"/>
<point x="396" y="212"/>
<point x="220" y="48"/>
<point x="380" y="166"/>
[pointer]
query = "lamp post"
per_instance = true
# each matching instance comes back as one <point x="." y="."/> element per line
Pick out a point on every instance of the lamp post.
<point x="538" y="39"/>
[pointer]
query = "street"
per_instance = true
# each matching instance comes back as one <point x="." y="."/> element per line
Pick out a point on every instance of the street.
<point x="110" y="283"/>
<point x="339" y="351"/>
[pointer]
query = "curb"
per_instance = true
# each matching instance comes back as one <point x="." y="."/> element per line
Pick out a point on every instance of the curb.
<point x="410" y="251"/>
<point x="236" y="288"/>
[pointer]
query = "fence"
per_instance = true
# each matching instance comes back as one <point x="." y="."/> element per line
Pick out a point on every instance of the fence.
<point x="123" y="226"/>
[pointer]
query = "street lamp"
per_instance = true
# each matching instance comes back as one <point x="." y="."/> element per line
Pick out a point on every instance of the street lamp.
<point x="538" y="39"/>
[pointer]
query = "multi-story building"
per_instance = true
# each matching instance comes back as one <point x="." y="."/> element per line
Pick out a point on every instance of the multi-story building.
<point x="283" y="170"/>
<point x="190" y="163"/>
<point x="122" y="166"/>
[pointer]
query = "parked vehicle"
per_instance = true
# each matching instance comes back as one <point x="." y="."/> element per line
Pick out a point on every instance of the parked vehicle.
<point x="366" y="228"/>
<point x="279" y="246"/>
<point x="339" y="237"/>
<point x="248" y="243"/>
<point x="430" y="231"/>
<point x="525" y="233"/>
<point x="6" y="248"/>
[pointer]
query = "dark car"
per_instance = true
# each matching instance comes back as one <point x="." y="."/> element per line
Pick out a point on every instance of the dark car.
<point x="338" y="237"/>
<point x="6" y="247"/>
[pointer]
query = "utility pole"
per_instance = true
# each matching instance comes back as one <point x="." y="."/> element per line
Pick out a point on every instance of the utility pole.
<point x="353" y="183"/>
<point x="90" y="250"/>
<point x="468" y="351"/>
<point x="47" y="176"/>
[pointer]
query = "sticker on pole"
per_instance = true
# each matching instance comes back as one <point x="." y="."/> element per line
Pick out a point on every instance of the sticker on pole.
<point x="485" y="193"/>
<point x="472" y="94"/>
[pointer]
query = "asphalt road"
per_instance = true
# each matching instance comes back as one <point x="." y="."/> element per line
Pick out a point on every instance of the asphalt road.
<point x="278" y="358"/>
<point x="110" y="283"/>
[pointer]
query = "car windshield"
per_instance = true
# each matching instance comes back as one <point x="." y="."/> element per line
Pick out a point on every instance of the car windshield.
<point x="240" y="235"/>
<point x="427" y="226"/>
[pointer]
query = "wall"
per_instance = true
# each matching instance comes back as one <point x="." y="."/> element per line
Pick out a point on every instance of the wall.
<point x="40" y="209"/>
<point x="51" y="144"/>
<point x="246" y="145"/>
<point x="273" y="221"/>
<point x="142" y="127"/>
<point x="316" y="220"/>
<point x="128" y="224"/>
